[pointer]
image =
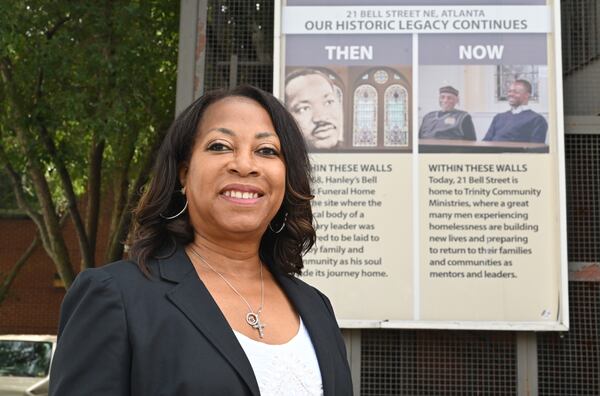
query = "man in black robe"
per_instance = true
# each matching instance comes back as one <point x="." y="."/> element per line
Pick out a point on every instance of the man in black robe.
<point x="448" y="122"/>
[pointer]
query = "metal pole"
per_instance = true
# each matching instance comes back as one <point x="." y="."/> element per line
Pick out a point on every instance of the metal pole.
<point x="352" y="339"/>
<point x="192" y="49"/>
<point x="527" y="364"/>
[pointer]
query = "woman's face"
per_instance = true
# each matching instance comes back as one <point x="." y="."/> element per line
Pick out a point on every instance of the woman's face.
<point x="235" y="181"/>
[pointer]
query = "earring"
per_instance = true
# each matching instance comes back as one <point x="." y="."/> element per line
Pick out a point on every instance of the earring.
<point x="180" y="212"/>
<point x="282" y="225"/>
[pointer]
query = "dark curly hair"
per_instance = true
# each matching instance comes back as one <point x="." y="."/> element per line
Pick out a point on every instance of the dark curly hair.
<point x="282" y="251"/>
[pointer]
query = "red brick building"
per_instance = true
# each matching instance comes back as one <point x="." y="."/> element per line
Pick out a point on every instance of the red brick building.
<point x="33" y="301"/>
<point x="32" y="305"/>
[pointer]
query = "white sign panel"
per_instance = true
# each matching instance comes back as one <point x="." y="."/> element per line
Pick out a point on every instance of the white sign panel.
<point x="436" y="136"/>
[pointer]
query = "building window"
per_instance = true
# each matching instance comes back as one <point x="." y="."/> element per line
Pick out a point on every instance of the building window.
<point x="380" y="110"/>
<point x="506" y="75"/>
<point x="364" y="133"/>
<point x="380" y="77"/>
<point x="395" y="116"/>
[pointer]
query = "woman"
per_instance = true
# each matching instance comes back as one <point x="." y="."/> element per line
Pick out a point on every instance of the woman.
<point x="209" y="304"/>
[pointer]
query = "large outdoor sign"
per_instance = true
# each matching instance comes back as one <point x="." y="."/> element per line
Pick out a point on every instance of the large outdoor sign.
<point x="435" y="131"/>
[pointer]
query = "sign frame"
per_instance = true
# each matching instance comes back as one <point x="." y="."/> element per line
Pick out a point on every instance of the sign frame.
<point x="562" y="322"/>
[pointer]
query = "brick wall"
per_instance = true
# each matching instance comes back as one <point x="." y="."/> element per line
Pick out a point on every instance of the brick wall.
<point x="33" y="303"/>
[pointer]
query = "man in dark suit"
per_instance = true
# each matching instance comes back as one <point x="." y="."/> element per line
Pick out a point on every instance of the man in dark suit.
<point x="520" y="123"/>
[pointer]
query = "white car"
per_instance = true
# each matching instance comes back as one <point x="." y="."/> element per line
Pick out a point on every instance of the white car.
<point x="25" y="364"/>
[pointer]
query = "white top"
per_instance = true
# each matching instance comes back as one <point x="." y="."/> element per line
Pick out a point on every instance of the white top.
<point x="289" y="369"/>
<point x="518" y="109"/>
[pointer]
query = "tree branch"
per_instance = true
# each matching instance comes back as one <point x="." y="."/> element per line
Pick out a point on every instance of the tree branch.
<point x="54" y="244"/>
<point x="94" y="191"/>
<point x="6" y="69"/>
<point x="87" y="257"/>
<point x="58" y="249"/>
<point x="119" y="234"/>
<point x="14" y="271"/>
<point x="52" y="31"/>
<point x="86" y="253"/>
<point x="19" y="192"/>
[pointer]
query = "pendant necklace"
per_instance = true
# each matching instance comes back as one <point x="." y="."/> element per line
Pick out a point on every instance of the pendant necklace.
<point x="252" y="318"/>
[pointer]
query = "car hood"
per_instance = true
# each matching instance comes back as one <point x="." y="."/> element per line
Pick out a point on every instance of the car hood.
<point x="16" y="386"/>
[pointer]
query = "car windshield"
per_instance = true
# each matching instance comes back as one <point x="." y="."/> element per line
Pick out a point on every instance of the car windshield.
<point x="25" y="358"/>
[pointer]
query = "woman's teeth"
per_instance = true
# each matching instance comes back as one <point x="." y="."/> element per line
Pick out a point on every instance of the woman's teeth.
<point x="241" y="195"/>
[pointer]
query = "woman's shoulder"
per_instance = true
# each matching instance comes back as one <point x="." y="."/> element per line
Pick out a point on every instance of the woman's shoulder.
<point x="118" y="269"/>
<point x="126" y="268"/>
<point x="121" y="274"/>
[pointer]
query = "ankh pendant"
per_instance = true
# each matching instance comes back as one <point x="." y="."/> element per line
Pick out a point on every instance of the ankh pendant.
<point x="254" y="320"/>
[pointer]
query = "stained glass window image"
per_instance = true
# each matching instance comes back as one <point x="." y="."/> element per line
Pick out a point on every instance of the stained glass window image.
<point x="364" y="133"/>
<point x="396" y="116"/>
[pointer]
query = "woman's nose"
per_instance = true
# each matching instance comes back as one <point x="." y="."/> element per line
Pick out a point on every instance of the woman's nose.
<point x="243" y="164"/>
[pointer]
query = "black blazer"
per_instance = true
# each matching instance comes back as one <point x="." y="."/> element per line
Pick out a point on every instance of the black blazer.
<point x="122" y="333"/>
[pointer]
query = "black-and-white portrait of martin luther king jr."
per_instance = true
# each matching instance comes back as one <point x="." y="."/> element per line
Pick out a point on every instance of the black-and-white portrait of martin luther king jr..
<point x="311" y="97"/>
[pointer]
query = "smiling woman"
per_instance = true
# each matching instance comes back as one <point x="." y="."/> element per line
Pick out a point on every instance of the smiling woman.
<point x="235" y="178"/>
<point x="209" y="303"/>
<point x="204" y="130"/>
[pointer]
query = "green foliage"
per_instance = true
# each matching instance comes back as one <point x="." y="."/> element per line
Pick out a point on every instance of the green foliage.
<point x="7" y="197"/>
<point x="109" y="71"/>
<point x="84" y="72"/>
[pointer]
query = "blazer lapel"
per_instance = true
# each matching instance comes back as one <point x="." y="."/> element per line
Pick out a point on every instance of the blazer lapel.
<point x="194" y="300"/>
<point x="315" y="320"/>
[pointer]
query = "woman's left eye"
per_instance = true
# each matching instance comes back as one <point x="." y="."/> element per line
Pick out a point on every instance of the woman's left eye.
<point x="268" y="151"/>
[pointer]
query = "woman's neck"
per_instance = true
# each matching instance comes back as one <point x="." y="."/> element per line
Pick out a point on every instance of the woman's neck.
<point x="229" y="257"/>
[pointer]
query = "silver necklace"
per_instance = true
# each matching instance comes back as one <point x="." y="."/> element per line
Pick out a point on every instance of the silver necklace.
<point x="252" y="318"/>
